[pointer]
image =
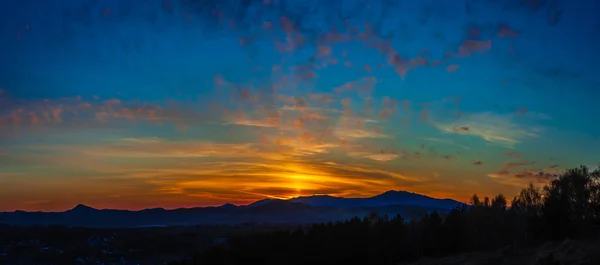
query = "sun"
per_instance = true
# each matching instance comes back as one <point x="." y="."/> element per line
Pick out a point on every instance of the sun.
<point x="298" y="183"/>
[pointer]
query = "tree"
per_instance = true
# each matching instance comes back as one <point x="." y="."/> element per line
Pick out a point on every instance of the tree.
<point x="529" y="201"/>
<point x="595" y="195"/>
<point x="475" y="200"/>
<point x="499" y="203"/>
<point x="568" y="208"/>
<point x="527" y="207"/>
<point x="486" y="202"/>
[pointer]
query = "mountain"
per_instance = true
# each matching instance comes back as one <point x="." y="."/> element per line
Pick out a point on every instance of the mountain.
<point x="228" y="206"/>
<point x="324" y="200"/>
<point x="317" y="208"/>
<point x="82" y="208"/>
<point x="385" y="199"/>
<point x="262" y="202"/>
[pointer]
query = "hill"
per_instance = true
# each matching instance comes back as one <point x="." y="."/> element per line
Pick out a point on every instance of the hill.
<point x="299" y="210"/>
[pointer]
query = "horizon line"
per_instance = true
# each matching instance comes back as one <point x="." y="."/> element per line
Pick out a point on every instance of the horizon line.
<point x="228" y="203"/>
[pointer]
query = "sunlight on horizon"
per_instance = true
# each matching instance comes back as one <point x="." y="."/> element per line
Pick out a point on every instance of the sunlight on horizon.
<point x="176" y="107"/>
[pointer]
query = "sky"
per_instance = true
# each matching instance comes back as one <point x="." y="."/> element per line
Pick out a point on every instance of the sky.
<point x="183" y="103"/>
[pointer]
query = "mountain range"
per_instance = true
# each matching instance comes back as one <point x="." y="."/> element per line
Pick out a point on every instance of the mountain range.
<point x="310" y="209"/>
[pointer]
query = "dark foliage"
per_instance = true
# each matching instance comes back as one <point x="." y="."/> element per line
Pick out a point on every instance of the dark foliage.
<point x="567" y="207"/>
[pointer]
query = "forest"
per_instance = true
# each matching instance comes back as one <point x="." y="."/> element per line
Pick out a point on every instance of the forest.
<point x="567" y="207"/>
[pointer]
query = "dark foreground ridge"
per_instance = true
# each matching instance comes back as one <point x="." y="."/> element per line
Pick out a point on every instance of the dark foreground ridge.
<point x="301" y="210"/>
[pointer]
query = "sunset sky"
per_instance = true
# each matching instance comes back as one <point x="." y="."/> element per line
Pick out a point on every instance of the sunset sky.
<point x="141" y="104"/>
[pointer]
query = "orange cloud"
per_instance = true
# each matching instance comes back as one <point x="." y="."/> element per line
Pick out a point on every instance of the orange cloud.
<point x="383" y="157"/>
<point x="160" y="167"/>
<point x="523" y="177"/>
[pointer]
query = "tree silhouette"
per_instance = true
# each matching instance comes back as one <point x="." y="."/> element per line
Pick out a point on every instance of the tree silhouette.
<point x="527" y="207"/>
<point x="568" y="205"/>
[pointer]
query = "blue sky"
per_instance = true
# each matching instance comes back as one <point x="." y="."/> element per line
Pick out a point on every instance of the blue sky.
<point x="133" y="104"/>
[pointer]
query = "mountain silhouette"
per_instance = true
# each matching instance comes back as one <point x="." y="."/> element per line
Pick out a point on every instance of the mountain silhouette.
<point x="308" y="209"/>
<point x="81" y="208"/>
<point x="387" y="198"/>
<point x="228" y="206"/>
<point x="262" y="202"/>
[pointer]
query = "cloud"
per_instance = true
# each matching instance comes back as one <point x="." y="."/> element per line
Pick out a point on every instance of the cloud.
<point x="494" y="128"/>
<point x="358" y="133"/>
<point x="150" y="148"/>
<point x="510" y="165"/>
<point x="521" y="178"/>
<point x="76" y="113"/>
<point x="382" y="157"/>
<point x="354" y="128"/>
<point x="195" y="168"/>
<point x="147" y="140"/>
<point x="172" y="149"/>
<point x="253" y="123"/>
<point x="282" y="179"/>
<point x="374" y="156"/>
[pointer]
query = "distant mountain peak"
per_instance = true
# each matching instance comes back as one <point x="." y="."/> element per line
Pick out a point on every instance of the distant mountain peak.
<point x="263" y="201"/>
<point x="82" y="207"/>
<point x="228" y="206"/>
<point x="398" y="192"/>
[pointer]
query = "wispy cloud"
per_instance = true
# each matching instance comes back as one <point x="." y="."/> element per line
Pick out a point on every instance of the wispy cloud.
<point x="236" y="172"/>
<point x="374" y="156"/>
<point x="253" y="123"/>
<point x="158" y="149"/>
<point x="494" y="128"/>
<point x="520" y="178"/>
<point x="147" y="140"/>
<point x="354" y="128"/>
<point x="358" y="133"/>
